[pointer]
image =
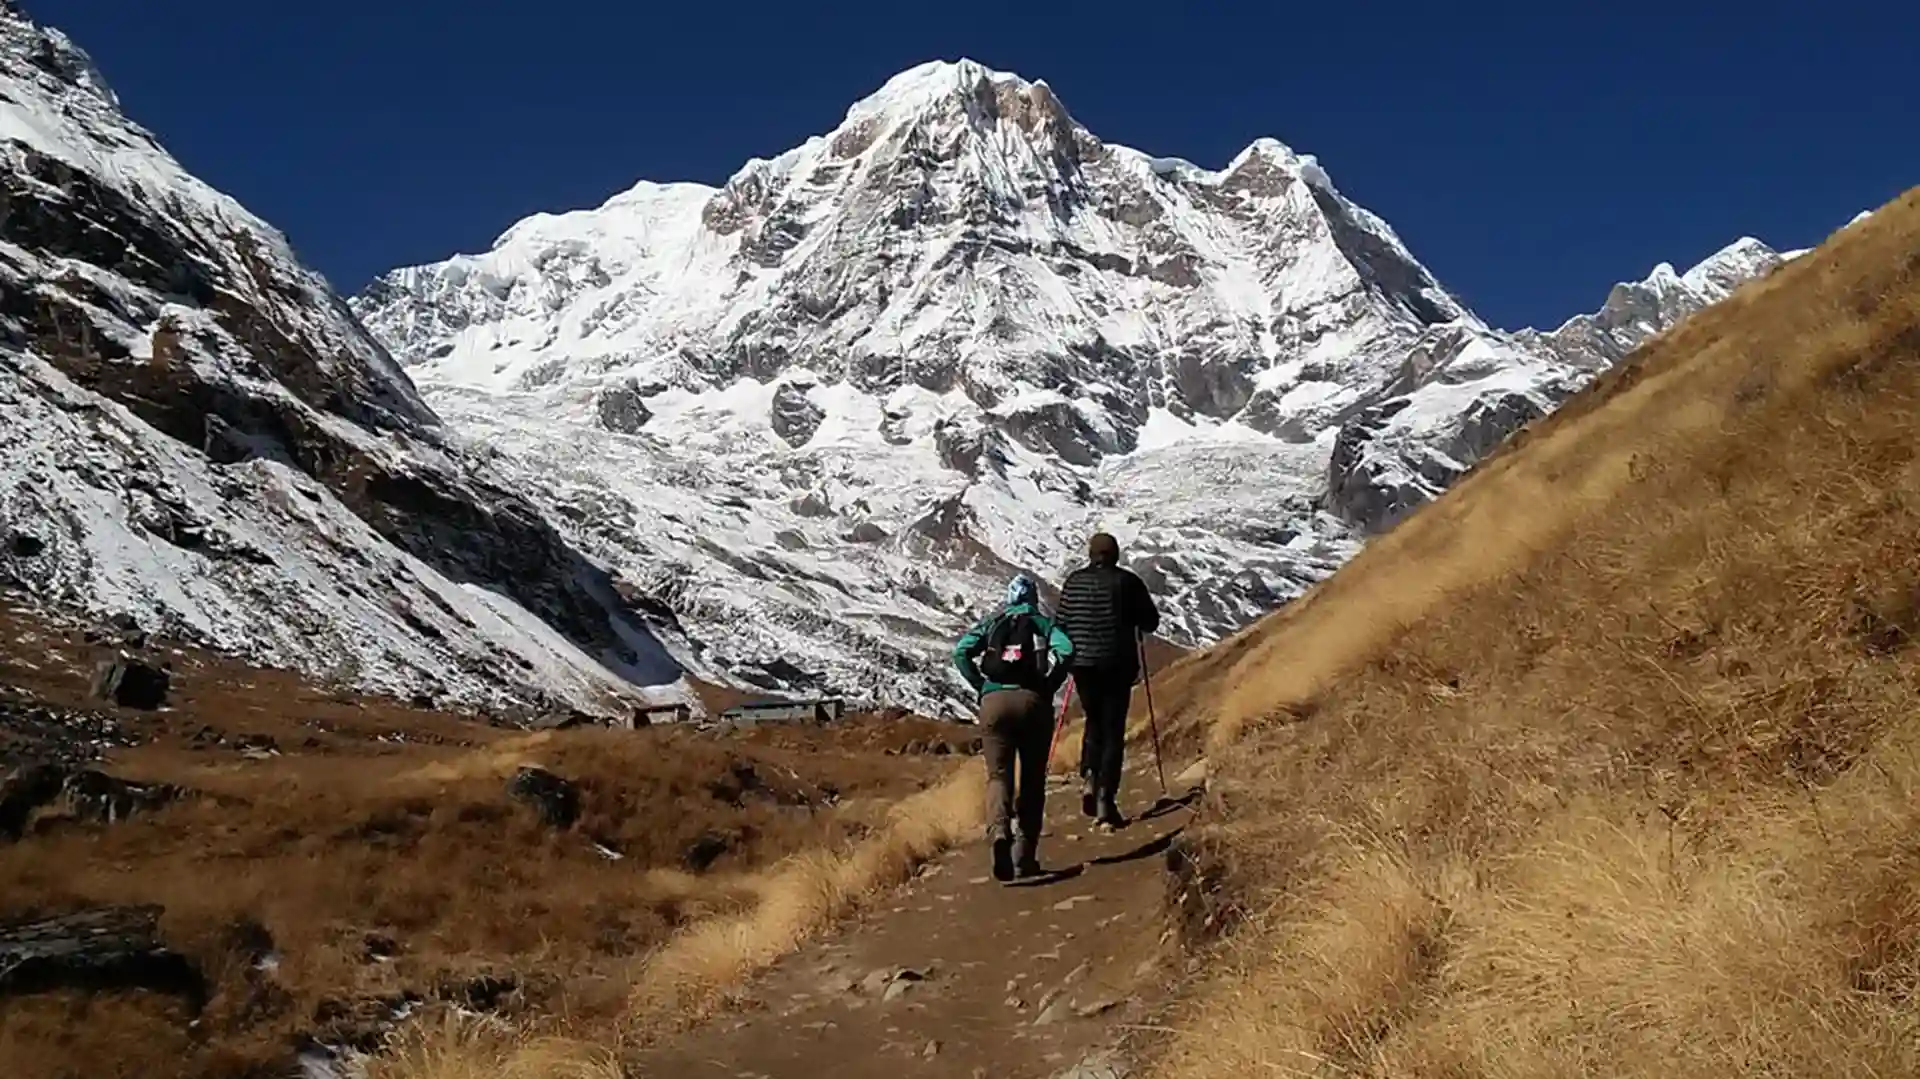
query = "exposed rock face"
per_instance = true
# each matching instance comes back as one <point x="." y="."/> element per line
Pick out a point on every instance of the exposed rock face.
<point x="25" y="790"/>
<point x="104" y="799"/>
<point x="622" y="409"/>
<point x="1394" y="456"/>
<point x="201" y="433"/>
<point x="793" y="417"/>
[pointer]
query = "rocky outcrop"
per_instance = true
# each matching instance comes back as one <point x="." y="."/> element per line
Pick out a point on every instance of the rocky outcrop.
<point x="1368" y="490"/>
<point x="1488" y="422"/>
<point x="557" y="800"/>
<point x="621" y="408"/>
<point x="793" y="417"/>
<point x="98" y="797"/>
<point x="103" y="950"/>
<point x="23" y="792"/>
<point x="85" y="794"/>
<point x="130" y="683"/>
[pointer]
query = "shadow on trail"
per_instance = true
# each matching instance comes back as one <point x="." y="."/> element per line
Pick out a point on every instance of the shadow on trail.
<point x="1167" y="804"/>
<point x="1144" y="850"/>
<point x="1050" y="877"/>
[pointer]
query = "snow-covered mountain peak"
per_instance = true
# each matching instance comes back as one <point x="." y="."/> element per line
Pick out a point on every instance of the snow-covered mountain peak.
<point x="53" y="53"/>
<point x="928" y="85"/>
<point x="1726" y="269"/>
<point x="1663" y="276"/>
<point x="792" y="432"/>
<point x="1272" y="152"/>
<point x="833" y="401"/>
<point x="1636" y="311"/>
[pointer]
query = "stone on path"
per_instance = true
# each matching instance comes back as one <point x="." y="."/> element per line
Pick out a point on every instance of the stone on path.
<point x="1099" y="1065"/>
<point x="1098" y="1007"/>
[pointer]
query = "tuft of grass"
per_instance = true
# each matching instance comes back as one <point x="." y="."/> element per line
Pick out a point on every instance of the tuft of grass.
<point x="1606" y="761"/>
<point x="451" y="1046"/>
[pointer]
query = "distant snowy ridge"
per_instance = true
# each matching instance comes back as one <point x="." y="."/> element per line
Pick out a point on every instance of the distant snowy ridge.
<point x="821" y="411"/>
<point x="201" y="435"/>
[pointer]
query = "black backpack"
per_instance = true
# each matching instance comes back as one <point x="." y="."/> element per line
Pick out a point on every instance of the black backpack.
<point x="1014" y="647"/>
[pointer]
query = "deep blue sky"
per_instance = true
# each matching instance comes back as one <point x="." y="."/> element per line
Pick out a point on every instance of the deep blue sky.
<point x="1529" y="158"/>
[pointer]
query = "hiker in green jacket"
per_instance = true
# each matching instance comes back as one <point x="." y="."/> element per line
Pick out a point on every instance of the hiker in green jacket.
<point x="1005" y="658"/>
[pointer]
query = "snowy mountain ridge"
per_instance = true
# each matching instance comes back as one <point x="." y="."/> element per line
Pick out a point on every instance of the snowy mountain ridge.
<point x="820" y="411"/>
<point x="201" y="436"/>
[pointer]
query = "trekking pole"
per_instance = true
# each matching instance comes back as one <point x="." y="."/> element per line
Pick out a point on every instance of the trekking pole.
<point x="1059" y="725"/>
<point x="1153" y="722"/>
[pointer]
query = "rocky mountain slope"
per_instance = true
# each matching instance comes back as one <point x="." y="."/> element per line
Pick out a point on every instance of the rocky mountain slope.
<point x="201" y="437"/>
<point x="821" y="411"/>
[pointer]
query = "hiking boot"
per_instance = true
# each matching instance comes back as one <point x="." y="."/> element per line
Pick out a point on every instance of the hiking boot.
<point x="1110" y="815"/>
<point x="1002" y="858"/>
<point x="1026" y="861"/>
<point x="1089" y="799"/>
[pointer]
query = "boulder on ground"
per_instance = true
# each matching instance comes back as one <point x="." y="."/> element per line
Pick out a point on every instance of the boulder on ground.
<point x="24" y="791"/>
<point x="88" y="795"/>
<point x="622" y="408"/>
<point x="130" y="683"/>
<point x="97" y="796"/>
<point x="793" y="416"/>
<point x="556" y="799"/>
<point x="704" y="851"/>
<point x="106" y="949"/>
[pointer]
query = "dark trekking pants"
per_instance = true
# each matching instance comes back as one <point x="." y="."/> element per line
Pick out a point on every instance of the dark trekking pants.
<point x="1105" y="697"/>
<point x="1018" y="728"/>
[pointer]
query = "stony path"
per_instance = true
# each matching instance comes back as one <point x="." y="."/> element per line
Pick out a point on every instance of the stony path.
<point x="961" y="976"/>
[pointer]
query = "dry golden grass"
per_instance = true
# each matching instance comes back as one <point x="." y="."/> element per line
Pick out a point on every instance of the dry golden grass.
<point x="453" y="1047"/>
<point x="694" y="972"/>
<point x="345" y="835"/>
<point x="1606" y="763"/>
<point x="691" y="975"/>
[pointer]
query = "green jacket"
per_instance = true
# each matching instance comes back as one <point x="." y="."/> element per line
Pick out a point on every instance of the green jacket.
<point x="966" y="653"/>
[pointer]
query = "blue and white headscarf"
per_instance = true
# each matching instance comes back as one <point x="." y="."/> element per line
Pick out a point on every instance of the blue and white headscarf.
<point x="1022" y="590"/>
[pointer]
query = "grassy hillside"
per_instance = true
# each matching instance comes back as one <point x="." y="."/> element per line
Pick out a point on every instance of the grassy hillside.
<point x="374" y="851"/>
<point x="1608" y="762"/>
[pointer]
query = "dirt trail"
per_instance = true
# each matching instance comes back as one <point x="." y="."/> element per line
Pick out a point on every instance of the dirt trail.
<point x="961" y="976"/>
